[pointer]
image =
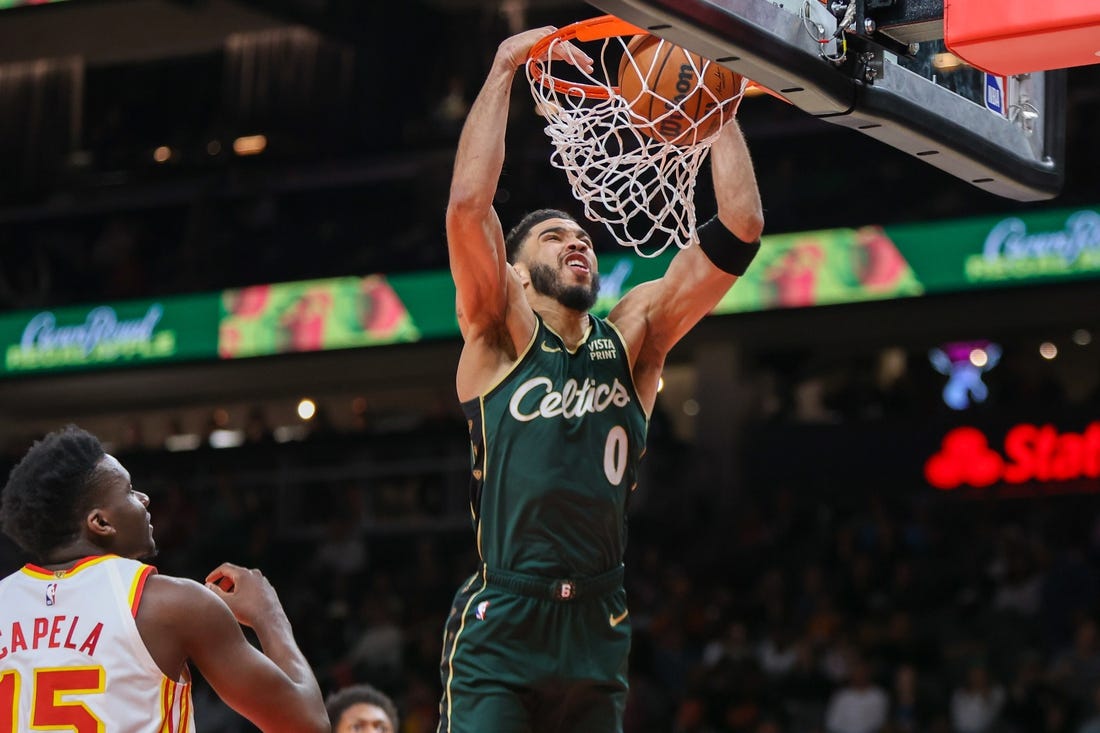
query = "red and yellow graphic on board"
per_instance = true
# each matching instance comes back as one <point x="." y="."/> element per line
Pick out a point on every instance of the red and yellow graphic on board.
<point x="314" y="315"/>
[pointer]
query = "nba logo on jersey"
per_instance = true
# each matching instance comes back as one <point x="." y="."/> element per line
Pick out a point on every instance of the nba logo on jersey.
<point x="51" y="594"/>
<point x="480" y="612"/>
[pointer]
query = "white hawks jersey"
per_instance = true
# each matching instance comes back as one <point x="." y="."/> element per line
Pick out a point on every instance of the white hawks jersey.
<point x="71" y="657"/>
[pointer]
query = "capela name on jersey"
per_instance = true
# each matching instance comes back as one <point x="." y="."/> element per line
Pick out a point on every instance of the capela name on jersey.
<point x="55" y="632"/>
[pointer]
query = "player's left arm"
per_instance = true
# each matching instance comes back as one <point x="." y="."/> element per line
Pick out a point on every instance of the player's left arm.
<point x="654" y="316"/>
<point x="274" y="686"/>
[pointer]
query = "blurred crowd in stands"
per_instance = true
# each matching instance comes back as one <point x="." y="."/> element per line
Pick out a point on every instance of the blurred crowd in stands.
<point x="828" y="605"/>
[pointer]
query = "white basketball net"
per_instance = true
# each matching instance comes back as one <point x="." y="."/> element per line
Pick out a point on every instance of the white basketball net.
<point x="640" y="186"/>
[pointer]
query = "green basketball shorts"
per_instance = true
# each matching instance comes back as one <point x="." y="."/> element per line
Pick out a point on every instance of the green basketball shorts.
<point x="523" y="654"/>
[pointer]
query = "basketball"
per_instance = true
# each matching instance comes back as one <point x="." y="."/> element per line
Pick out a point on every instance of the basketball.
<point x="662" y="85"/>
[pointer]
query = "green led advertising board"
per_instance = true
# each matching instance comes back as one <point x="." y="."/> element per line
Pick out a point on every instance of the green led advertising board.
<point x="120" y="334"/>
<point x="795" y="270"/>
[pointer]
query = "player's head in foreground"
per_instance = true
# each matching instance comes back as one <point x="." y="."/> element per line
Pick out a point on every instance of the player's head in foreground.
<point x="68" y="498"/>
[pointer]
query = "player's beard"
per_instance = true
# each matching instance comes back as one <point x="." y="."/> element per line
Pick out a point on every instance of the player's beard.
<point x="547" y="281"/>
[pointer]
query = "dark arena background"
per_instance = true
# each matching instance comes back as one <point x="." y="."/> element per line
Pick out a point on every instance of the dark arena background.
<point x="877" y="465"/>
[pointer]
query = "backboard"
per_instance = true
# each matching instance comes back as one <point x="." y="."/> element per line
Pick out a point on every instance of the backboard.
<point x="887" y="76"/>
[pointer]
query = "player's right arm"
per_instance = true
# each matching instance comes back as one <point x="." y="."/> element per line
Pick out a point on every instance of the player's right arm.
<point x="274" y="689"/>
<point x="490" y="303"/>
<point x="475" y="238"/>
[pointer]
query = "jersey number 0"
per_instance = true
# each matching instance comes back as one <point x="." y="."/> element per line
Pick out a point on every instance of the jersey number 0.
<point x="614" y="455"/>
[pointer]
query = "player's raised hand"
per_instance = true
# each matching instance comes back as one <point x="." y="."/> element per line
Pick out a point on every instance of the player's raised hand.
<point x="249" y="595"/>
<point x="517" y="48"/>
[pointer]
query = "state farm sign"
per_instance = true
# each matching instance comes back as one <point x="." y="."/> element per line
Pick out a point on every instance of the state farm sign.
<point x="1030" y="453"/>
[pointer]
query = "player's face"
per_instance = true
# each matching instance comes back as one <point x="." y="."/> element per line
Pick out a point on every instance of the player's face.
<point x="125" y="509"/>
<point x="562" y="244"/>
<point x="363" y="717"/>
<point x="562" y="264"/>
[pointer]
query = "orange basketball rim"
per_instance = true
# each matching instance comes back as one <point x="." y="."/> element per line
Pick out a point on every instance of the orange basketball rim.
<point x="592" y="29"/>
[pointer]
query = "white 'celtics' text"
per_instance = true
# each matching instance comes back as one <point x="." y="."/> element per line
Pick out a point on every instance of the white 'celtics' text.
<point x="573" y="401"/>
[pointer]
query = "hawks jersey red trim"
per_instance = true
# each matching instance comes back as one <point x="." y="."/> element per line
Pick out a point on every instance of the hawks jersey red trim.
<point x="138" y="587"/>
<point x="86" y="562"/>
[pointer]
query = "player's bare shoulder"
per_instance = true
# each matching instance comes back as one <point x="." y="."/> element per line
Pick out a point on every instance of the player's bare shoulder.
<point x="181" y="605"/>
<point x="171" y="612"/>
<point x="497" y="328"/>
<point x="167" y="599"/>
<point x="171" y="587"/>
<point x="631" y="315"/>
<point x="492" y="346"/>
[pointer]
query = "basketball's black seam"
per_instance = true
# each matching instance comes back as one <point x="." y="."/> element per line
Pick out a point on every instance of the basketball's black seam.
<point x="652" y="95"/>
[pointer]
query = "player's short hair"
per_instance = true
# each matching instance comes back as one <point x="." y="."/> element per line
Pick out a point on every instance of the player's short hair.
<point x="519" y="232"/>
<point x="50" y="489"/>
<point x="338" y="702"/>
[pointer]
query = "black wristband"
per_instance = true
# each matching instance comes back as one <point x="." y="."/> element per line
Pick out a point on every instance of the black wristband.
<point x="726" y="251"/>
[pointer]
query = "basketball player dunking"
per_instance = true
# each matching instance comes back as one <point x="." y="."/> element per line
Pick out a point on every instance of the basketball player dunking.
<point x="557" y="402"/>
<point x="93" y="640"/>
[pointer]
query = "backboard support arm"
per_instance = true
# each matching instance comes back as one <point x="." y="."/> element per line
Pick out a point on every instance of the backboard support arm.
<point x="872" y="93"/>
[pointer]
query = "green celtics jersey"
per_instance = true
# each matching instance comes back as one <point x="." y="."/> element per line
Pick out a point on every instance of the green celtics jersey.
<point x="555" y="450"/>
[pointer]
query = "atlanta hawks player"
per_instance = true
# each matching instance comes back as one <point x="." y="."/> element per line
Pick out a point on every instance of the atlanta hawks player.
<point x="93" y="640"/>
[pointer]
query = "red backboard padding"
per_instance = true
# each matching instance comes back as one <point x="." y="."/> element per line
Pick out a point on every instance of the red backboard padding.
<point x="1018" y="36"/>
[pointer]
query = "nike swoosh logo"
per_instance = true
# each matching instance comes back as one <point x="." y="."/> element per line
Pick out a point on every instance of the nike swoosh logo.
<point x="549" y="348"/>
<point x="616" y="620"/>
